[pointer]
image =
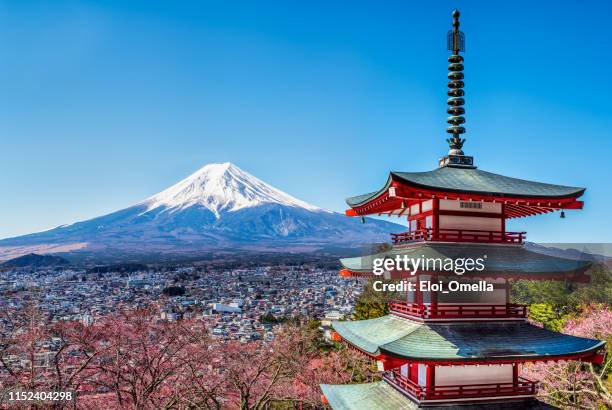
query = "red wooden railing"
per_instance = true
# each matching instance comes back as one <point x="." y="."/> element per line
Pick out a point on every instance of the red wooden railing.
<point x="522" y="387"/>
<point x="459" y="235"/>
<point x="456" y="311"/>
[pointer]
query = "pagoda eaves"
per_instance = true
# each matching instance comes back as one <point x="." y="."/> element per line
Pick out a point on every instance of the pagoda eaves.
<point x="520" y="197"/>
<point x="509" y="262"/>
<point x="493" y="342"/>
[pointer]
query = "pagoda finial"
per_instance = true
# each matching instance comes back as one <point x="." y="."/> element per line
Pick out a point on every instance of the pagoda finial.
<point x="456" y="43"/>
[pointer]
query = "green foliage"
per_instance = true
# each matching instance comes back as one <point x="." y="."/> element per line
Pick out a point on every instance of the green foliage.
<point x="544" y="313"/>
<point x="370" y="309"/>
<point x="372" y="304"/>
<point x="314" y="334"/>
<point x="314" y="326"/>
<point x="552" y="302"/>
<point x="540" y="291"/>
<point x="270" y="318"/>
<point x="599" y="290"/>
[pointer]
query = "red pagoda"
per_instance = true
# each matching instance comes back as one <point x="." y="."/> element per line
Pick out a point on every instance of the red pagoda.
<point x="459" y="349"/>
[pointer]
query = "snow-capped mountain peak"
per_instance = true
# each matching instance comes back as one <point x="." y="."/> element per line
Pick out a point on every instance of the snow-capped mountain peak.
<point x="218" y="208"/>
<point x="222" y="187"/>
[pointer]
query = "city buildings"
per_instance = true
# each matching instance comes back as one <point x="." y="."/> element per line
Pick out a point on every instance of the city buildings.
<point x="241" y="304"/>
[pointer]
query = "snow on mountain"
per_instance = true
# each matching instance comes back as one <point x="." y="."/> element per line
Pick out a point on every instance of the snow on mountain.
<point x="219" y="207"/>
<point x="222" y="188"/>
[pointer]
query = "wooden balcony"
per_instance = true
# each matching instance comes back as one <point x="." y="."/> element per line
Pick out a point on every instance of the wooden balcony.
<point x="458" y="235"/>
<point x="522" y="387"/>
<point x="457" y="311"/>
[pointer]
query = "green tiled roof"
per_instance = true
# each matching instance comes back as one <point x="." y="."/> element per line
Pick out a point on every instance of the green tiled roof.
<point x="369" y="396"/>
<point x="370" y="334"/>
<point x="460" y="341"/>
<point x="382" y="396"/>
<point x="472" y="180"/>
<point x="515" y="260"/>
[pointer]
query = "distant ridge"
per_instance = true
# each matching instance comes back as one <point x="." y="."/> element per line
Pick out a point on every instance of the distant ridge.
<point x="578" y="251"/>
<point x="35" y="260"/>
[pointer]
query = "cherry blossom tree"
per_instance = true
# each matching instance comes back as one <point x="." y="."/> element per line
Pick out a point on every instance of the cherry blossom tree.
<point x="575" y="384"/>
<point x="40" y="357"/>
<point x="144" y="358"/>
<point x="134" y="360"/>
<point x="338" y="366"/>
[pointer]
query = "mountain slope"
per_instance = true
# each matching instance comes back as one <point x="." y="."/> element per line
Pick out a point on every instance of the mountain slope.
<point x="219" y="207"/>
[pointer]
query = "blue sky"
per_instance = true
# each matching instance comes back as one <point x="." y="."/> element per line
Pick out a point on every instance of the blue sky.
<point x="106" y="103"/>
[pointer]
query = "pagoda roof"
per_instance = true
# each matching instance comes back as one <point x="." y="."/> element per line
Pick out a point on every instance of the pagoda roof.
<point x="475" y="181"/>
<point x="382" y="396"/>
<point x="368" y="396"/>
<point x="511" y="261"/>
<point x="461" y="342"/>
<point x="523" y="197"/>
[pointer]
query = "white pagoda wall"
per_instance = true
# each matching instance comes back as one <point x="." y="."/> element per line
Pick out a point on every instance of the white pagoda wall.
<point x="489" y="207"/>
<point x="425" y="206"/>
<point x="470" y="222"/>
<point x="496" y="297"/>
<point x="422" y="375"/>
<point x="462" y="375"/>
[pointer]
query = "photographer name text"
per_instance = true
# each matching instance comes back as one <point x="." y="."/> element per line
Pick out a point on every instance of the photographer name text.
<point x="429" y="286"/>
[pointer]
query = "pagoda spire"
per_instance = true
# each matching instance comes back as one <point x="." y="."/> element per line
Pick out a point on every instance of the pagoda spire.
<point x="456" y="43"/>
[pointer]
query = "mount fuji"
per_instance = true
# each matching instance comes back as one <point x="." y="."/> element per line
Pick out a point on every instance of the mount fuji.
<point x="218" y="208"/>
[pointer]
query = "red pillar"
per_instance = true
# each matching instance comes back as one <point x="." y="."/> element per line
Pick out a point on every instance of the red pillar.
<point x="515" y="372"/>
<point x="503" y="221"/>
<point x="413" y="372"/>
<point x="418" y="295"/>
<point x="430" y="380"/>
<point x="433" y="298"/>
<point x="435" y="222"/>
